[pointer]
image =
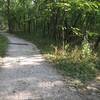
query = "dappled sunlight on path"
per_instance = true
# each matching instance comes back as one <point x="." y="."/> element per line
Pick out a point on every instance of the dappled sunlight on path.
<point x="22" y="60"/>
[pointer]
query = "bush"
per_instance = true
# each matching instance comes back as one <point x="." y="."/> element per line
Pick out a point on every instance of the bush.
<point x="3" y="45"/>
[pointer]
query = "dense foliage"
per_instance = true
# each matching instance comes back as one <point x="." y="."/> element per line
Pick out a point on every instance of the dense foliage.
<point x="67" y="20"/>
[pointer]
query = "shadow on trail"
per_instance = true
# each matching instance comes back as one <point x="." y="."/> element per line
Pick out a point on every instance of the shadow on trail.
<point x="25" y="75"/>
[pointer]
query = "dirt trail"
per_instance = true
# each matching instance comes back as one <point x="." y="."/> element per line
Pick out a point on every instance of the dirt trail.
<point x="26" y="75"/>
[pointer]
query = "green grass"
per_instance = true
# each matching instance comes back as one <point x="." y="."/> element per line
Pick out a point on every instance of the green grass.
<point x="71" y="64"/>
<point x="3" y="45"/>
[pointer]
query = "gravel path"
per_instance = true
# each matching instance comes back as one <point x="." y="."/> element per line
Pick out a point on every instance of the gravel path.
<point x="26" y="75"/>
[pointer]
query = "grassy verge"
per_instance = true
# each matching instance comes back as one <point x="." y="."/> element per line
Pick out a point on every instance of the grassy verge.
<point x="3" y="45"/>
<point x="71" y="64"/>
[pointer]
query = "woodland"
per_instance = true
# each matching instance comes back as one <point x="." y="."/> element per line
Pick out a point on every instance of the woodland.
<point x="66" y="31"/>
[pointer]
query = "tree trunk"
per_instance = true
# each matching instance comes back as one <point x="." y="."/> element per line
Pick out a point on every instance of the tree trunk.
<point x="9" y="16"/>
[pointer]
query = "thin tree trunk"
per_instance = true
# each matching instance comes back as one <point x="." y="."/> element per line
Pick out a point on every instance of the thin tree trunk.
<point x="8" y="16"/>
